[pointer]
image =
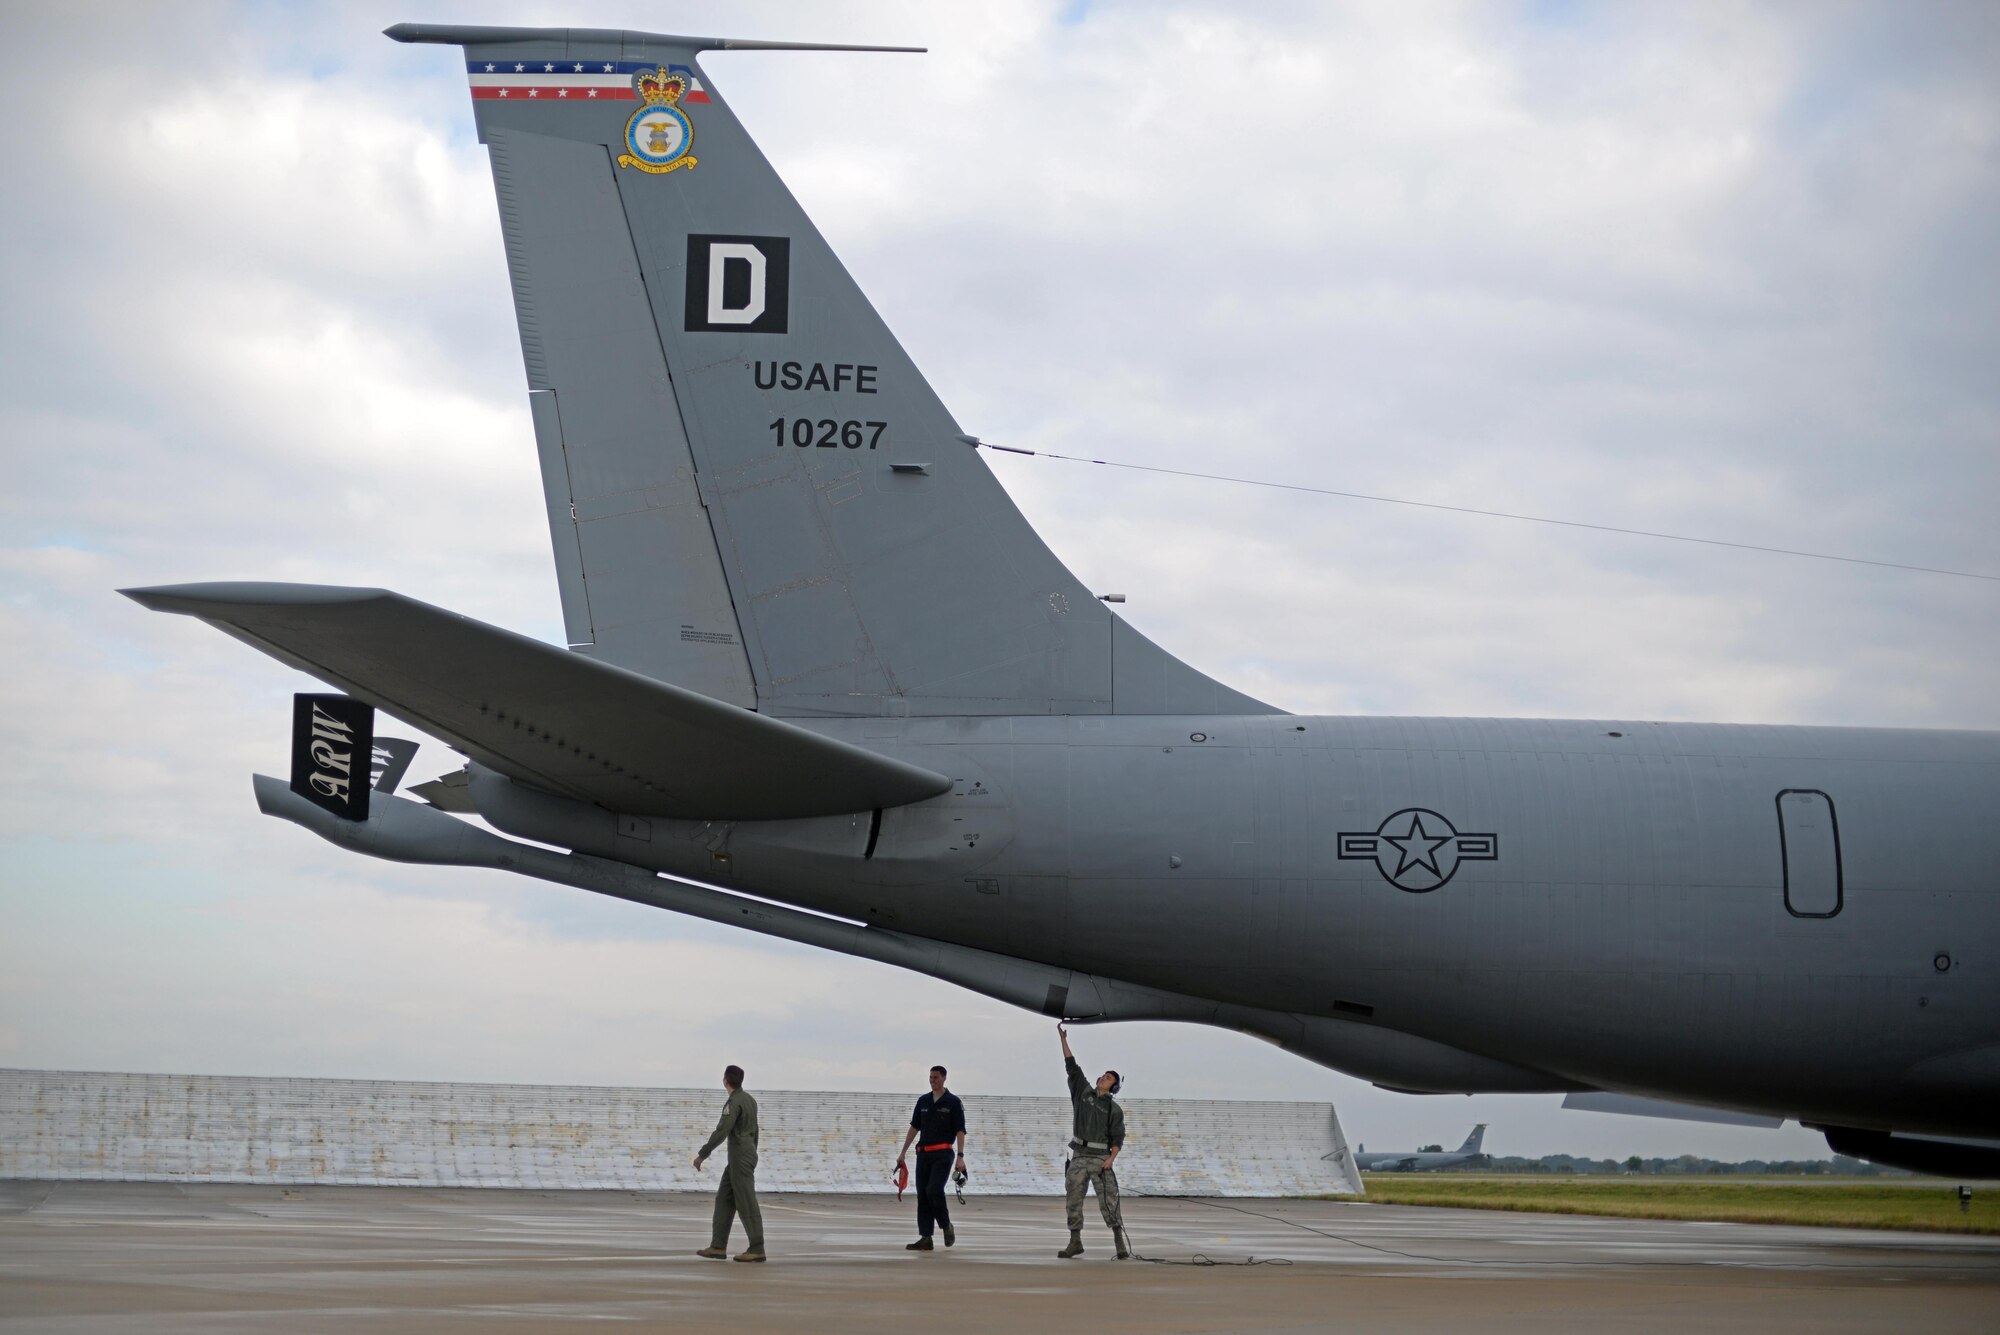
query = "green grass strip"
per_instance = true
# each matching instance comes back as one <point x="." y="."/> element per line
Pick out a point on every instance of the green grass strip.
<point x="1927" y="1207"/>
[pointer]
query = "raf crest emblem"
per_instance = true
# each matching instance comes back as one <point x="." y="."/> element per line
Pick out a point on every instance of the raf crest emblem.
<point x="658" y="136"/>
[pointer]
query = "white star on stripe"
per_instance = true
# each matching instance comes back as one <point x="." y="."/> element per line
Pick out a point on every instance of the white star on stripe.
<point x="563" y="93"/>
<point x="607" y="68"/>
<point x="519" y="67"/>
<point x="489" y="67"/>
<point x="579" y="67"/>
<point x="593" y="92"/>
<point x="503" y="92"/>
<point x="534" y="92"/>
<point x="548" y="69"/>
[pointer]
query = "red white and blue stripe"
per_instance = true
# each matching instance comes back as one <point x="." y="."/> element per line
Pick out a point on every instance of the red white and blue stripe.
<point x="569" y="80"/>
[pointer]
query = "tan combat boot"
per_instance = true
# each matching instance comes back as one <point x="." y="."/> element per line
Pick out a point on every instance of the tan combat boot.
<point x="1075" y="1247"/>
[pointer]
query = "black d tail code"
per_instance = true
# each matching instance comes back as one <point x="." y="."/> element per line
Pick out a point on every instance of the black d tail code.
<point x="739" y="284"/>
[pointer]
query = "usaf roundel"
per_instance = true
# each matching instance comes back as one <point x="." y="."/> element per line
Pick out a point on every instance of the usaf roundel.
<point x="1417" y="849"/>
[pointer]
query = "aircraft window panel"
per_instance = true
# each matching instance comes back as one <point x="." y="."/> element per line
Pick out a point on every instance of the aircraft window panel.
<point x="1810" y="838"/>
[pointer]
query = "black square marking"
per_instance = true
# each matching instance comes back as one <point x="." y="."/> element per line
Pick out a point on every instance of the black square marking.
<point x="739" y="284"/>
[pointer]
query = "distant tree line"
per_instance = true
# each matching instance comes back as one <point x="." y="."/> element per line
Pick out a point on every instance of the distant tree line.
<point x="1686" y="1165"/>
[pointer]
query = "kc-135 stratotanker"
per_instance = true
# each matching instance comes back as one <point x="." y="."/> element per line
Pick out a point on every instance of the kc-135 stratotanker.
<point x="817" y="656"/>
<point x="1422" y="1161"/>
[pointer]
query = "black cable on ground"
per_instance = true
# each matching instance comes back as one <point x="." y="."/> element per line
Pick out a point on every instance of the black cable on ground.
<point x="1202" y="1261"/>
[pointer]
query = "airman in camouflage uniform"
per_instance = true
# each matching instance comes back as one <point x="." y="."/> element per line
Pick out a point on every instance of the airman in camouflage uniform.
<point x="1097" y="1134"/>
<point x="737" y="1192"/>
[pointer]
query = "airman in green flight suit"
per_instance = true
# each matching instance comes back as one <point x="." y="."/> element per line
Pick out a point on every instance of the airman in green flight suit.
<point x="737" y="1192"/>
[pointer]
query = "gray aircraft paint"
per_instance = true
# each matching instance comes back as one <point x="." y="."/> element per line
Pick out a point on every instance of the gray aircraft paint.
<point x="1628" y="1105"/>
<point x="997" y="782"/>
<point x="616" y="470"/>
<point x="588" y="730"/>
<point x="1421" y="1161"/>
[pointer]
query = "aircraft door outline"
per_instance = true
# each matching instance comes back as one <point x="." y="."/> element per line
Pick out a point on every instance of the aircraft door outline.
<point x="1809" y="850"/>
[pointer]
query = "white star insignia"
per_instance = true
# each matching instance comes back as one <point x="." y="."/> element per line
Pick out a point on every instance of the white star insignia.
<point x="534" y="92"/>
<point x="579" y="67"/>
<point x="519" y="67"/>
<point x="503" y="92"/>
<point x="593" y="92"/>
<point x="549" y="69"/>
<point x="607" y="67"/>
<point x="563" y="93"/>
<point x="489" y="67"/>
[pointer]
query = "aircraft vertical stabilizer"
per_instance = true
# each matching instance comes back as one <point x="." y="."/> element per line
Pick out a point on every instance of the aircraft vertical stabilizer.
<point x="752" y="490"/>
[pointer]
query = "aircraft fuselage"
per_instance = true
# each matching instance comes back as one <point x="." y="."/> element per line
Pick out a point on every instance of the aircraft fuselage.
<point x="1599" y="904"/>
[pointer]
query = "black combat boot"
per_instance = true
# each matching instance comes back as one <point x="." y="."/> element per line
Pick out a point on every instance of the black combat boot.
<point x="949" y="1235"/>
<point x="1118" y="1236"/>
<point x="920" y="1245"/>
<point x="1075" y="1247"/>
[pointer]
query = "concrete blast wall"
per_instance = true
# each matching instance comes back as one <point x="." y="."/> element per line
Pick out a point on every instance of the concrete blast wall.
<point x="197" y="1128"/>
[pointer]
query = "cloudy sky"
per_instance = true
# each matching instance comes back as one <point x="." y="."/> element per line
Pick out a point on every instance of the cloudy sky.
<point x="1719" y="270"/>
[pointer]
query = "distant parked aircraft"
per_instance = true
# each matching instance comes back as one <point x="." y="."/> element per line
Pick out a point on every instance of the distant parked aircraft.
<point x="1420" y="1161"/>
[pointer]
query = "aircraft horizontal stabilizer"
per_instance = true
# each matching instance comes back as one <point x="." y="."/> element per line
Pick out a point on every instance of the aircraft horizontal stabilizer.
<point x="464" y="34"/>
<point x="1631" y="1105"/>
<point x="547" y="717"/>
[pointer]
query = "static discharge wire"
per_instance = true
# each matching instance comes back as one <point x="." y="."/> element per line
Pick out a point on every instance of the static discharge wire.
<point x="1203" y="1261"/>
<point x="979" y="444"/>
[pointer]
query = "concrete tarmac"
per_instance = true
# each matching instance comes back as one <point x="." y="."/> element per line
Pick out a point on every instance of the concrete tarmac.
<point x="116" y="1257"/>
